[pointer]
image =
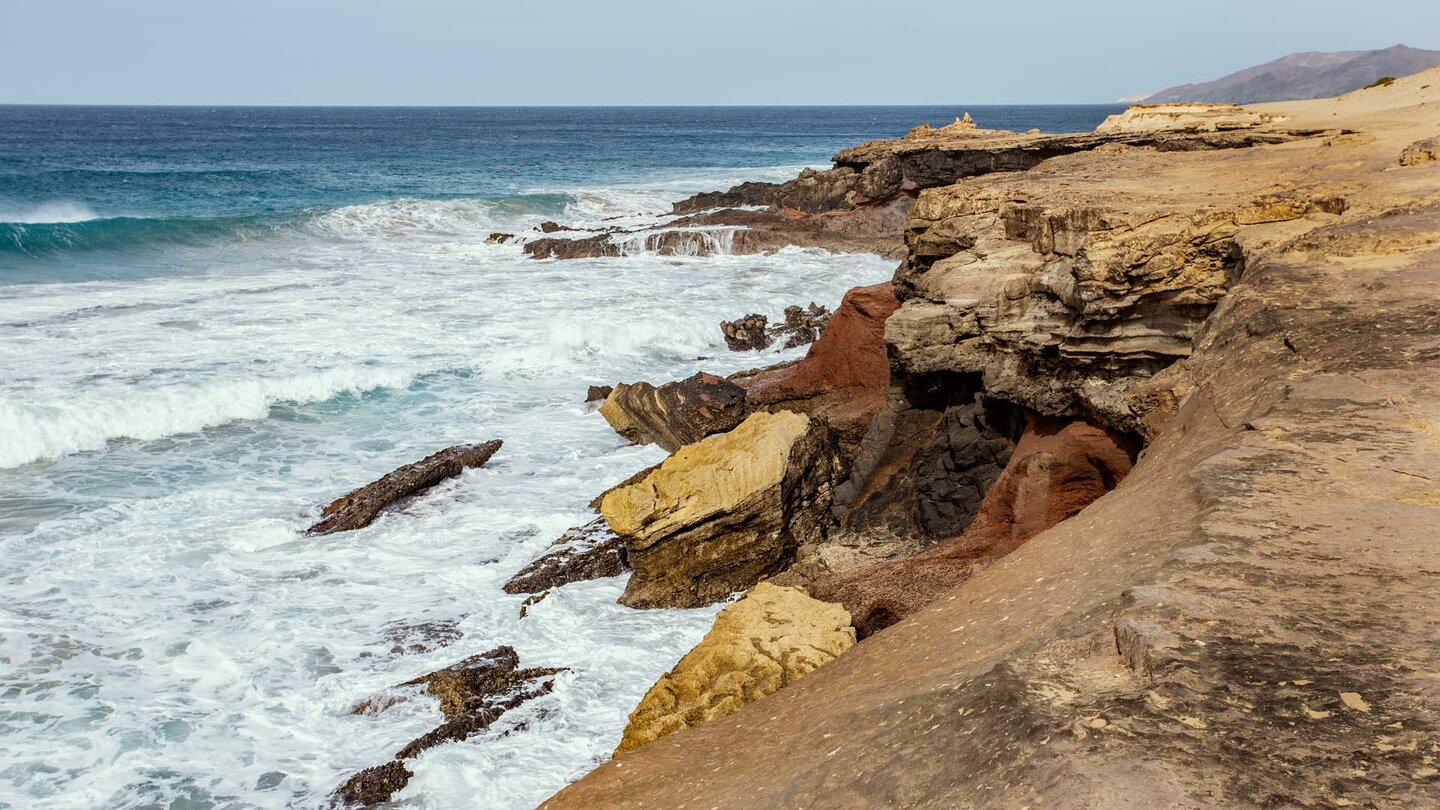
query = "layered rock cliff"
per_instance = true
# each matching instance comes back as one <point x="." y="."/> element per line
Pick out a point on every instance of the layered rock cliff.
<point x="1243" y="620"/>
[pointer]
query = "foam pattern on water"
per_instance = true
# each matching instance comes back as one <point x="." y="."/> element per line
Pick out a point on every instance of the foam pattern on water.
<point x="167" y="635"/>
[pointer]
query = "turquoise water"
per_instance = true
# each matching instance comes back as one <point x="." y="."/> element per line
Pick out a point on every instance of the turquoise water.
<point x="212" y="321"/>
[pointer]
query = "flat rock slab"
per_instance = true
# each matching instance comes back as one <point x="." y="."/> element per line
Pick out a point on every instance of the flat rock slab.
<point x="360" y="508"/>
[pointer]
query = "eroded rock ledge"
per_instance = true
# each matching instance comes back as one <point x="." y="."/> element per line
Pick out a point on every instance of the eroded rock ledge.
<point x="1241" y="621"/>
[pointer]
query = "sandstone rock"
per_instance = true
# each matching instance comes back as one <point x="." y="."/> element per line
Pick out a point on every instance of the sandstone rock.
<point x="360" y="507"/>
<point x="1191" y="117"/>
<point x="757" y="646"/>
<point x="1243" y="620"/>
<point x="1058" y="468"/>
<point x="676" y="413"/>
<point x="586" y="552"/>
<point x="844" y="374"/>
<point x="722" y="513"/>
<point x="473" y="694"/>
<point x="1422" y="151"/>
<point x="598" y="393"/>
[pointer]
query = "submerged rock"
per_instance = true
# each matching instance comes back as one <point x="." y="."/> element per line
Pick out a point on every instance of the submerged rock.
<point x="473" y="694"/>
<point x="720" y="514"/>
<point x="762" y="643"/>
<point x="586" y="552"/>
<point x="677" y="413"/>
<point x="360" y="507"/>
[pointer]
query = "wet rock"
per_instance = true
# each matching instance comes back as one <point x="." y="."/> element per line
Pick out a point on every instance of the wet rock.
<point x="722" y="513"/>
<point x="500" y="238"/>
<point x="677" y="413"/>
<point x="373" y="786"/>
<point x="563" y="248"/>
<point x="747" y="334"/>
<point x="413" y="638"/>
<point x="1058" y="468"/>
<point x="473" y="694"/>
<point x="598" y="393"/>
<point x="757" y="646"/>
<point x="531" y="601"/>
<point x="359" y="508"/>
<point x="550" y="226"/>
<point x="586" y="552"/>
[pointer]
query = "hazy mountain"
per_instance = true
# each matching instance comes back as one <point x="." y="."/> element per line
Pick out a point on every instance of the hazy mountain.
<point x="1312" y="74"/>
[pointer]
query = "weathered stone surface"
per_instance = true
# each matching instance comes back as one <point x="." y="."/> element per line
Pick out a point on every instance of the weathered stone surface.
<point x="1189" y="117"/>
<point x="585" y="552"/>
<point x="1426" y="150"/>
<point x="722" y="513"/>
<point x="598" y="393"/>
<point x="747" y="334"/>
<point x="844" y="374"/>
<point x="373" y="786"/>
<point x="473" y="694"/>
<point x="1241" y="623"/>
<point x="676" y="413"/>
<point x="1056" y="469"/>
<point x="360" y="507"/>
<point x="769" y="639"/>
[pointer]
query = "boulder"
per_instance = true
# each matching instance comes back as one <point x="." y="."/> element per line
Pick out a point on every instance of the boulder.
<point x="1420" y="152"/>
<point x="1059" y="467"/>
<point x="360" y="507"/>
<point x="722" y="513"/>
<point x="747" y="334"/>
<point x="473" y="694"/>
<point x="757" y="646"/>
<point x="586" y="552"/>
<point x="676" y="413"/>
<point x="598" y="393"/>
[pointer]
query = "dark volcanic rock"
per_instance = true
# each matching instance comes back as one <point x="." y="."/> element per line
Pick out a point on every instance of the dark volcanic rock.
<point x="1058" y="468"/>
<point x="359" y="508"/>
<point x="586" y="552"/>
<point x="473" y="694"/>
<point x="802" y="325"/>
<point x="676" y="413"/>
<point x="373" y="786"/>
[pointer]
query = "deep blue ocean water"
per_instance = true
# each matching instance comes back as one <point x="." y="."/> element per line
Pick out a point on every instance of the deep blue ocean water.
<point x="214" y="320"/>
<point x="128" y="178"/>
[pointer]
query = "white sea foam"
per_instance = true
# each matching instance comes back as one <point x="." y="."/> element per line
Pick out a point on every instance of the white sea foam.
<point x="166" y="632"/>
<point x="49" y="213"/>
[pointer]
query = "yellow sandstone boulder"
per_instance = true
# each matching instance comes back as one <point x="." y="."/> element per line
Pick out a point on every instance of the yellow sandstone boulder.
<point x="757" y="646"/>
<point x="722" y="513"/>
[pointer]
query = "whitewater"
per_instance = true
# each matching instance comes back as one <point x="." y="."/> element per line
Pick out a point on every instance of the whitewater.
<point x="214" y="321"/>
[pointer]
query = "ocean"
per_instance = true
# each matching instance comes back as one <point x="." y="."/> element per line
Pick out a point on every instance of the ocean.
<point x="214" y="320"/>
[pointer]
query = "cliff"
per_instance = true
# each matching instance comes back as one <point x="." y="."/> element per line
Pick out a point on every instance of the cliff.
<point x="1246" y="618"/>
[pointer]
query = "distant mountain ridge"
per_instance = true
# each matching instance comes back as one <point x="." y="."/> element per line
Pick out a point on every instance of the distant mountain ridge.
<point x="1310" y="74"/>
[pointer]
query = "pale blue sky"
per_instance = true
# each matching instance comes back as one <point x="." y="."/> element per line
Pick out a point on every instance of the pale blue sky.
<point x="661" y="51"/>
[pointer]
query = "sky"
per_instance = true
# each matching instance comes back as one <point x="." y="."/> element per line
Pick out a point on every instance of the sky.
<point x="484" y="52"/>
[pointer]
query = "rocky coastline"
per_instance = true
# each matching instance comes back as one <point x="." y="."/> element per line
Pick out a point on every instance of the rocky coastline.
<point x="1113" y="497"/>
